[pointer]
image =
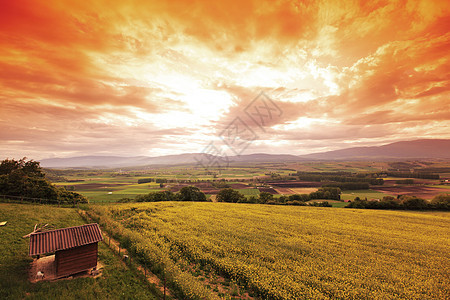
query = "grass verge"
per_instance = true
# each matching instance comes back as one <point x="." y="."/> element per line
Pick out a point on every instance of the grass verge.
<point x="117" y="281"/>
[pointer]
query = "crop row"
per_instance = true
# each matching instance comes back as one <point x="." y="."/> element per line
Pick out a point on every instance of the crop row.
<point x="289" y="253"/>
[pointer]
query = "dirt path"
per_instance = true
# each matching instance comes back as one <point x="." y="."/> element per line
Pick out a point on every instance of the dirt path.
<point x="218" y="284"/>
<point x="124" y="256"/>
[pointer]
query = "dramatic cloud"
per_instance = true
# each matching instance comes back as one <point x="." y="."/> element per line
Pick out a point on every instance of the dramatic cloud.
<point x="164" y="77"/>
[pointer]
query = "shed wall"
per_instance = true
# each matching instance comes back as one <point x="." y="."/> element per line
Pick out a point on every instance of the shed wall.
<point x="75" y="260"/>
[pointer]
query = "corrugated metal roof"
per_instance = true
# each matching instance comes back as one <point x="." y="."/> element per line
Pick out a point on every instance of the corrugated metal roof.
<point x="65" y="238"/>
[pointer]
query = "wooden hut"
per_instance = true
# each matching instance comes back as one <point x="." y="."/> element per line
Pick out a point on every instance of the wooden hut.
<point x="75" y="248"/>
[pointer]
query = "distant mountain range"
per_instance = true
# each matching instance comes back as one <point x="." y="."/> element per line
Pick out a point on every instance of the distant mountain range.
<point x="400" y="150"/>
<point x="418" y="149"/>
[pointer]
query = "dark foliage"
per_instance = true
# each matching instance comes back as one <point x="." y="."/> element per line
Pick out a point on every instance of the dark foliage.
<point x="230" y="195"/>
<point x="420" y="175"/>
<point x="145" y="180"/>
<point x="440" y="202"/>
<point x="155" y="197"/>
<point x="405" y="181"/>
<point x="187" y="193"/>
<point x="26" y="179"/>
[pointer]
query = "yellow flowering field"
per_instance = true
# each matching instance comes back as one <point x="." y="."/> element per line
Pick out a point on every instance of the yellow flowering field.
<point x="287" y="252"/>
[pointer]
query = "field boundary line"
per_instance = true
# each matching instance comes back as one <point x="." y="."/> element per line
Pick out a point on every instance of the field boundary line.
<point x="126" y="258"/>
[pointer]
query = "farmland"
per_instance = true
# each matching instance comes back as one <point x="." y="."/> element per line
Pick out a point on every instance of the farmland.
<point x="274" y="242"/>
<point x="106" y="186"/>
<point x="209" y="250"/>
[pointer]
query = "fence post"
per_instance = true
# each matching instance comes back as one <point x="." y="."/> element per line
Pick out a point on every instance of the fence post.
<point x="164" y="274"/>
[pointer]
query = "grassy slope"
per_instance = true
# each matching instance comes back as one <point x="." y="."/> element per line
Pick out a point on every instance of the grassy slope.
<point x="296" y="252"/>
<point x="117" y="281"/>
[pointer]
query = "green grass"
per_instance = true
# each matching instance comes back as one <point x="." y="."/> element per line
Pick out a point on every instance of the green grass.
<point x="369" y="194"/>
<point x="339" y="204"/>
<point x="102" y="197"/>
<point x="117" y="281"/>
<point x="249" y="192"/>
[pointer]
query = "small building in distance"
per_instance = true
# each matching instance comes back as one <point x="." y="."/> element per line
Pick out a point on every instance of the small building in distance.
<point x="75" y="248"/>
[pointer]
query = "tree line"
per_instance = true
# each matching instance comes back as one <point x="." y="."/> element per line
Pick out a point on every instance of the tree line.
<point x="26" y="179"/>
<point x="326" y="193"/>
<point x="192" y="193"/>
<point x="187" y="193"/>
<point x="419" y="175"/>
<point x="439" y="202"/>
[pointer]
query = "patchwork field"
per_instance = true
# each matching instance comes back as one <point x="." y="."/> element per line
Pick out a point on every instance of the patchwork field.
<point x="303" y="190"/>
<point x="107" y="186"/>
<point x="362" y="194"/>
<point x="209" y="250"/>
<point x="425" y="192"/>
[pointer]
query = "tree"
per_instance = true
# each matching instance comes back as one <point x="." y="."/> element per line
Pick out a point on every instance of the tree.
<point x="26" y="179"/>
<point x="230" y="195"/>
<point x="156" y="197"/>
<point x="191" y="193"/>
<point x="29" y="168"/>
<point x="252" y="199"/>
<point x="264" y="197"/>
<point x="412" y="202"/>
<point x="441" y="201"/>
<point x="283" y="199"/>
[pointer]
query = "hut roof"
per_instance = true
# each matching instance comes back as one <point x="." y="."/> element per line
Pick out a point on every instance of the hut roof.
<point x="65" y="238"/>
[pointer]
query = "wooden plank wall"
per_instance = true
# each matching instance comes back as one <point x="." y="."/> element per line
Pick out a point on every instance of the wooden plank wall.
<point x="75" y="260"/>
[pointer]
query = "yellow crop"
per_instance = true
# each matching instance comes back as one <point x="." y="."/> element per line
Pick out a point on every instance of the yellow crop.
<point x="291" y="252"/>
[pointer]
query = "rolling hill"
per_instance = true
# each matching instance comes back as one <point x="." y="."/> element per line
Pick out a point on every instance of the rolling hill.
<point x="418" y="149"/>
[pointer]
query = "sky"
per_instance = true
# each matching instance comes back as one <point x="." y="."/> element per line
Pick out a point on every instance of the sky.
<point x="154" y="78"/>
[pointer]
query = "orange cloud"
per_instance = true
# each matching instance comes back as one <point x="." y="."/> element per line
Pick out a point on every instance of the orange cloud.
<point x="349" y="71"/>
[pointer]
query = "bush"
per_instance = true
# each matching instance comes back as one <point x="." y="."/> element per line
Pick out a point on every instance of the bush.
<point x="296" y="202"/>
<point x="441" y="201"/>
<point x="320" y="204"/>
<point x="404" y="202"/>
<point x="299" y="197"/>
<point x="412" y="202"/>
<point x="272" y="202"/>
<point x="264" y="197"/>
<point x="145" y="180"/>
<point x="251" y="199"/>
<point x="157" y="197"/>
<point x="191" y="193"/>
<point x="282" y="199"/>
<point x="230" y="195"/>
<point x="331" y="193"/>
